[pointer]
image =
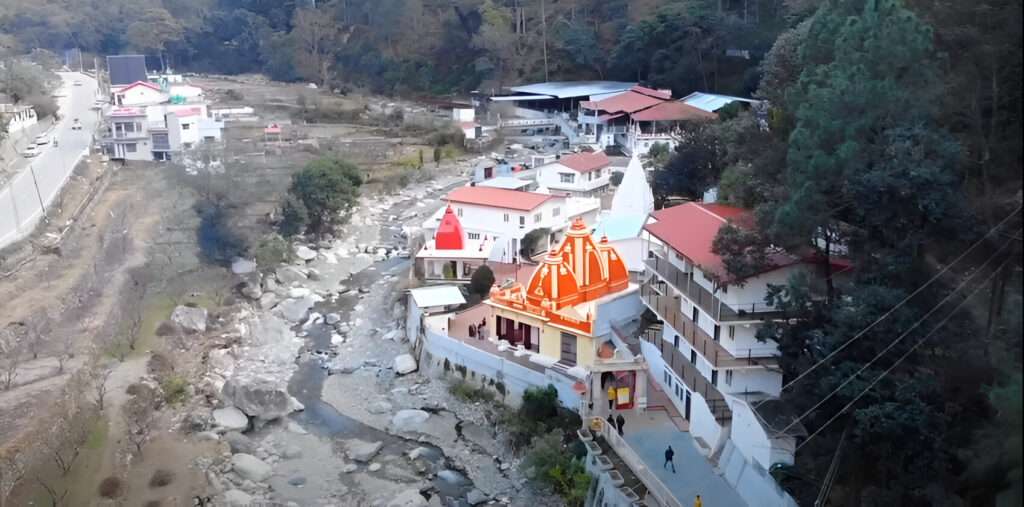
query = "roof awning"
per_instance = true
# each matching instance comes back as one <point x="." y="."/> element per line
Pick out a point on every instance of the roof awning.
<point x="515" y="98"/>
<point x="442" y="295"/>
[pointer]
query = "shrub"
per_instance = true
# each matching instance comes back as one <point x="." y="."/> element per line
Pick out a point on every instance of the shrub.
<point x="466" y="391"/>
<point x="481" y="281"/>
<point x="616" y="178"/>
<point x="528" y="246"/>
<point x="161" y="478"/>
<point x="167" y="328"/>
<point x="555" y="467"/>
<point x="111" y="487"/>
<point x="234" y="94"/>
<point x="450" y="136"/>
<point x="160" y="365"/>
<point x="538" y="414"/>
<point x="328" y="188"/>
<point x="294" y="218"/>
<point x="271" y="251"/>
<point x="175" y="389"/>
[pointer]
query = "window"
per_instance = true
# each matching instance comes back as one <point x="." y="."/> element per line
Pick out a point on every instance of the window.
<point x="675" y="341"/>
<point x="668" y="378"/>
<point x="718" y="333"/>
<point x="458" y="211"/>
<point x="567" y="177"/>
<point x="728" y="377"/>
<point x="693" y="356"/>
<point x="131" y="148"/>
<point x="536" y="218"/>
<point x="696" y="315"/>
<point x="467" y="270"/>
<point x="555" y="212"/>
<point x="732" y="332"/>
<point x="506" y="218"/>
<point x="473" y="235"/>
<point x="185" y="126"/>
<point x="522" y="221"/>
<point x="714" y="378"/>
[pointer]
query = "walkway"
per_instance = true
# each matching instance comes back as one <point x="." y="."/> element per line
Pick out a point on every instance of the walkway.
<point x="648" y="434"/>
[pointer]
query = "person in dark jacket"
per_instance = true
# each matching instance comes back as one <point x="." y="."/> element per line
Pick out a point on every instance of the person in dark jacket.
<point x="669" y="454"/>
<point x="611" y="420"/>
<point x="620" y="422"/>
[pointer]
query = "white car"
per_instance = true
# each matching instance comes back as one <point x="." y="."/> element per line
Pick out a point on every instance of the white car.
<point x="42" y="139"/>
<point x="76" y="125"/>
<point x="30" y="151"/>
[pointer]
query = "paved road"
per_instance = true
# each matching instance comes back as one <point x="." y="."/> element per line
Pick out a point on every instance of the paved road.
<point x="20" y="208"/>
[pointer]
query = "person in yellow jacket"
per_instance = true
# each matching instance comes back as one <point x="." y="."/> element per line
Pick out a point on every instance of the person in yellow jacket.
<point x="698" y="502"/>
<point x="611" y="397"/>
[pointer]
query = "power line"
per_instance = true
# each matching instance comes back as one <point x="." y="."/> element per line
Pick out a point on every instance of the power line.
<point x="901" y="303"/>
<point x="899" y="339"/>
<point x="904" y="356"/>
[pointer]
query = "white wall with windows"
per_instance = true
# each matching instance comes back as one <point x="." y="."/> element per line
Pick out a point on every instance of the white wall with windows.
<point x="702" y="422"/>
<point x="559" y="177"/>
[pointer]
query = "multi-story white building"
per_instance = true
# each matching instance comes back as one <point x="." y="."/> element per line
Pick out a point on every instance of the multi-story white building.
<point x="705" y="353"/>
<point x="579" y="174"/>
<point x="128" y="135"/>
<point x="508" y="215"/>
<point x="173" y="121"/>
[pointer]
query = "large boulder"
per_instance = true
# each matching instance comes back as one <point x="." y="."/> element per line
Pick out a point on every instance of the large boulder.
<point x="305" y="253"/>
<point x="230" y="419"/>
<point x="241" y="266"/>
<point x="237" y="498"/>
<point x="408" y="498"/>
<point x="361" y="450"/>
<point x="250" y="467"/>
<point x="405" y="421"/>
<point x="240" y="443"/>
<point x="405" y="364"/>
<point x="259" y="397"/>
<point x="288" y="275"/>
<point x="191" y="319"/>
<point x="295" y="309"/>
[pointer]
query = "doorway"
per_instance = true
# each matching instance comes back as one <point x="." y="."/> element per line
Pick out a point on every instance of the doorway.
<point x="568" y="354"/>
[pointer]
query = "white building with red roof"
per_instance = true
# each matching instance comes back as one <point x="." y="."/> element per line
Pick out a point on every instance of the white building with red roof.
<point x="508" y="216"/>
<point x="584" y="174"/>
<point x="636" y="119"/>
<point x="705" y="352"/>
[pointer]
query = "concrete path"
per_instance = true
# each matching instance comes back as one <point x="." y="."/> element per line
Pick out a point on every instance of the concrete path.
<point x="37" y="181"/>
<point x="651" y="433"/>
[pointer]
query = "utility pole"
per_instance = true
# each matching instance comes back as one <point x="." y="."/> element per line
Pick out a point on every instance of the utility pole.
<point x="35" y="183"/>
<point x="544" y="29"/>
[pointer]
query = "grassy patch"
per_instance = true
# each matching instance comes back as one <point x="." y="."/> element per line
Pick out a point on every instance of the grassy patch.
<point x="468" y="392"/>
<point x="175" y="389"/>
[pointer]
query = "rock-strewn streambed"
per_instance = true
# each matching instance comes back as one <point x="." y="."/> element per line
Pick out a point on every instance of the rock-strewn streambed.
<point x="330" y="420"/>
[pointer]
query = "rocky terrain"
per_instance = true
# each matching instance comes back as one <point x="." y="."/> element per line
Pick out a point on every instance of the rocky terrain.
<point x="317" y="400"/>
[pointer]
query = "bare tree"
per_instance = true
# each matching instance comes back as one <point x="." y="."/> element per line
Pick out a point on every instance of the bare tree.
<point x="66" y="440"/>
<point x="139" y="414"/>
<point x="100" y="379"/>
<point x="56" y="496"/>
<point x="36" y="332"/>
<point x="10" y="360"/>
<point x="13" y="467"/>
<point x="66" y="352"/>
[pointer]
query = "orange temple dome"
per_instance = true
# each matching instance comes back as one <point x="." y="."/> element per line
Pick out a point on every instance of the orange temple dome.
<point x="577" y="271"/>
<point x="449" y="234"/>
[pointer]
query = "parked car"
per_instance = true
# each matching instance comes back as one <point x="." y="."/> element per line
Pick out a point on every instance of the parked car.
<point x="76" y="125"/>
<point x="42" y="139"/>
<point x="31" y="151"/>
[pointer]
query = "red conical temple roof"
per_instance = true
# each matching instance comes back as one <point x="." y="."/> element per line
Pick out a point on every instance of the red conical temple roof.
<point x="449" y="234"/>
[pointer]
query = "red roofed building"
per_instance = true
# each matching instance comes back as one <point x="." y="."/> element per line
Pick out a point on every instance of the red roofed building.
<point x="636" y="119"/>
<point x="507" y="216"/>
<point x="710" y="319"/>
<point x="578" y="174"/>
<point x="139" y="93"/>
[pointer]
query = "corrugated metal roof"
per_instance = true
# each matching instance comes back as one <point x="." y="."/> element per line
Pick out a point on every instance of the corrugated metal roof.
<point x="571" y="89"/>
<point x="441" y="295"/>
<point x="497" y="198"/>
<point x="712" y="102"/>
<point x="619" y="227"/>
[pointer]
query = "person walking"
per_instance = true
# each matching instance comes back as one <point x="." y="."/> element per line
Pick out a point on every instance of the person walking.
<point x="611" y="420"/>
<point x="620" y="422"/>
<point x="698" y="502"/>
<point x="669" y="454"/>
<point x="611" y="397"/>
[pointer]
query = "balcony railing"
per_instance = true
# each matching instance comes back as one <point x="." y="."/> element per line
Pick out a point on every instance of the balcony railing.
<point x="688" y="373"/>
<point x="711" y="304"/>
<point x="668" y="311"/>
